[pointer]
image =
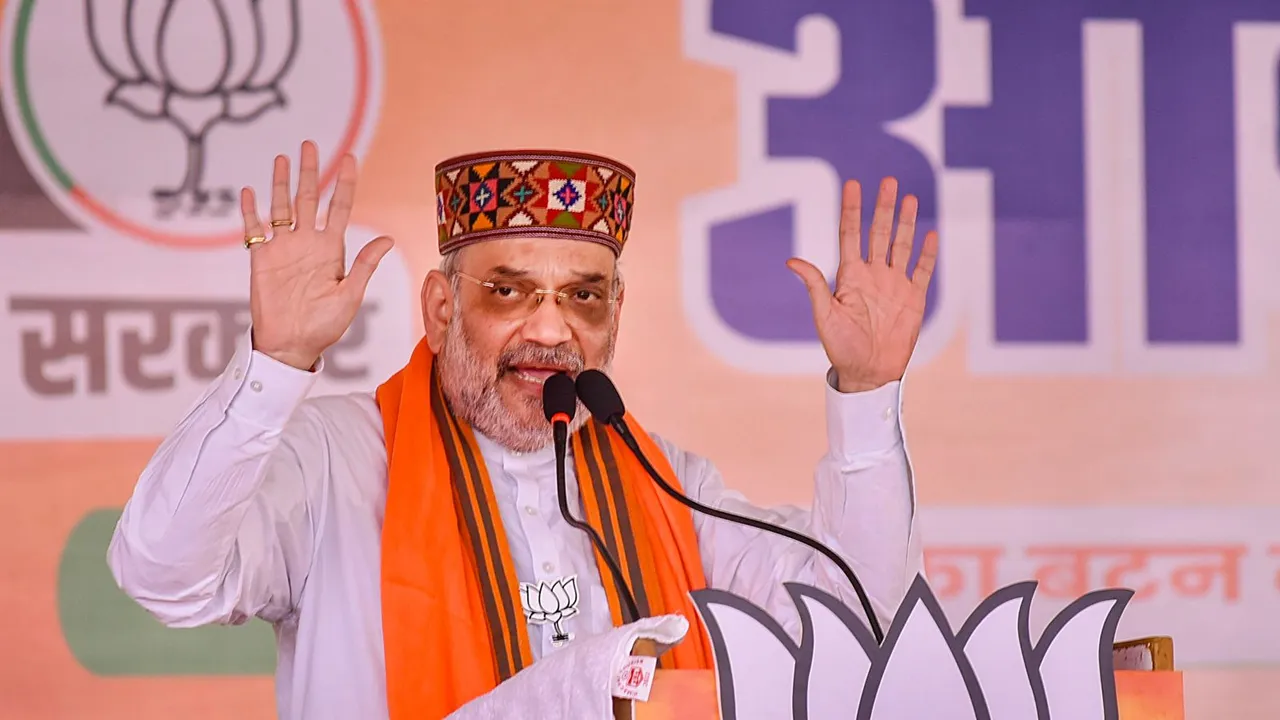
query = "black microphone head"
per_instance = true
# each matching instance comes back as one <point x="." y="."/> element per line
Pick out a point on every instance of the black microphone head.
<point x="598" y="393"/>
<point x="559" y="397"/>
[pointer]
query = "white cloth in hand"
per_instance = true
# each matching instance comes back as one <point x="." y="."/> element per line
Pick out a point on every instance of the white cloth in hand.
<point x="574" y="682"/>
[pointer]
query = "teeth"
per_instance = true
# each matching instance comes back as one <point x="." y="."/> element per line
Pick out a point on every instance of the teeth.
<point x="530" y="378"/>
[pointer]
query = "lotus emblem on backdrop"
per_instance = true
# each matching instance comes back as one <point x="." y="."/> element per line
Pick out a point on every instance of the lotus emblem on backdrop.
<point x="188" y="100"/>
<point x="193" y="64"/>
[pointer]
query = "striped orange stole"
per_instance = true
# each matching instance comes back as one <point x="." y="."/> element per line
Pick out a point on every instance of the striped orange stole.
<point x="453" y="626"/>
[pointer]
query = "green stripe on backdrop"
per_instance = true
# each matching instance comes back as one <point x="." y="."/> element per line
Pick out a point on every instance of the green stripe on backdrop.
<point x="110" y="635"/>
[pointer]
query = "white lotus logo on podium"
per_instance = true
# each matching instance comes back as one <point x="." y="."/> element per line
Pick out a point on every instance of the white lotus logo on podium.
<point x="989" y="670"/>
<point x="194" y="64"/>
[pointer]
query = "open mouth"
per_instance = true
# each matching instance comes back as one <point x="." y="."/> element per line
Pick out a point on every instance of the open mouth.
<point x="536" y="374"/>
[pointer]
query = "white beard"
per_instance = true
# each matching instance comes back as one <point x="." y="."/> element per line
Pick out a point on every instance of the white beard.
<point x="472" y="392"/>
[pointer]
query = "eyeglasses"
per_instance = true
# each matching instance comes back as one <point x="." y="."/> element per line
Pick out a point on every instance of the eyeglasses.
<point x="585" y="303"/>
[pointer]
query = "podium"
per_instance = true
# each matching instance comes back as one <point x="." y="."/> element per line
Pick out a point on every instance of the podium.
<point x="1147" y="685"/>
<point x="990" y="664"/>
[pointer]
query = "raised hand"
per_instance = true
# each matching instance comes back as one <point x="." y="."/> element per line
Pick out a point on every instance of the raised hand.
<point x="870" y="324"/>
<point x="301" y="297"/>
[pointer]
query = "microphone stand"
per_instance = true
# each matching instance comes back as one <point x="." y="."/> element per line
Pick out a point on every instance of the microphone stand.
<point x="560" y="435"/>
<point x="618" y="423"/>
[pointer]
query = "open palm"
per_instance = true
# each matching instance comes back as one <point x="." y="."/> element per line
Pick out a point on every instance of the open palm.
<point x="870" y="324"/>
<point x="301" y="297"/>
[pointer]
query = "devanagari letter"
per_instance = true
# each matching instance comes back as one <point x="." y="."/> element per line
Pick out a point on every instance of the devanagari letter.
<point x="40" y="348"/>
<point x="133" y="348"/>
<point x="1197" y="578"/>
<point x="1129" y="560"/>
<point x="1066" y="574"/>
<point x="946" y="569"/>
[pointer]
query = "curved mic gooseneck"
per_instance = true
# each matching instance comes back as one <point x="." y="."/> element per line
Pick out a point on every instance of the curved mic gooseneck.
<point x="559" y="403"/>
<point x="600" y="396"/>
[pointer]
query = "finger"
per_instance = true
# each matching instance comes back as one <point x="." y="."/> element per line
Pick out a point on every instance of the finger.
<point x="344" y="193"/>
<point x="815" y="282"/>
<point x="851" y="222"/>
<point x="900" y="253"/>
<point x="308" y="203"/>
<point x="249" y="211"/>
<point x="281" y="208"/>
<point x="928" y="260"/>
<point x="365" y="263"/>
<point x="882" y="221"/>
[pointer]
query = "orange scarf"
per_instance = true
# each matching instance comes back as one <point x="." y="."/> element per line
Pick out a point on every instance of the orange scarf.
<point x="452" y="621"/>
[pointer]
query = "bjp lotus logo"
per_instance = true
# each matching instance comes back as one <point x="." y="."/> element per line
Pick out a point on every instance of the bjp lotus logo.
<point x="251" y="45"/>
<point x="145" y="118"/>
<point x="990" y="668"/>
<point x="551" y="602"/>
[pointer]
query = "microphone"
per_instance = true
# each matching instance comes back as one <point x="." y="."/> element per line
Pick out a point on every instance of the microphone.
<point x="559" y="403"/>
<point x="600" y="396"/>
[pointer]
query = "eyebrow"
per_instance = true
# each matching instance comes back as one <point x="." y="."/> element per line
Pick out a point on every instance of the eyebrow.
<point x="510" y="273"/>
<point x="504" y="271"/>
<point x="591" y="277"/>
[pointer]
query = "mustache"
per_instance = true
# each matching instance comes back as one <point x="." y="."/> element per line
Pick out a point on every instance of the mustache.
<point x="561" y="357"/>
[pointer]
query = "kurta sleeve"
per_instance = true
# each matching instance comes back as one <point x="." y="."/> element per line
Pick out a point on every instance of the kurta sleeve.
<point x="219" y="528"/>
<point x="863" y="509"/>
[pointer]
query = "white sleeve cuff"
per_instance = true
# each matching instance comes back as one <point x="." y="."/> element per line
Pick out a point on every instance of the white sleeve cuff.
<point x="261" y="390"/>
<point x="863" y="422"/>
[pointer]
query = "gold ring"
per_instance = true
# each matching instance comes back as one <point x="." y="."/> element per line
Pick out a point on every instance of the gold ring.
<point x="281" y="223"/>
<point x="255" y="240"/>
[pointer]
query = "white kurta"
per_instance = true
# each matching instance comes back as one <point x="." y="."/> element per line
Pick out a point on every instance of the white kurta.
<point x="264" y="503"/>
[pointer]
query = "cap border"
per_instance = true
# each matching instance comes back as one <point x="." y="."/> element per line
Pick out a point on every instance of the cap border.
<point x="460" y="161"/>
<point x="471" y="238"/>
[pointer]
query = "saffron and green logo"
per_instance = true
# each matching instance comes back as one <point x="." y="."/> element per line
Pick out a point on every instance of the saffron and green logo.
<point x="146" y="118"/>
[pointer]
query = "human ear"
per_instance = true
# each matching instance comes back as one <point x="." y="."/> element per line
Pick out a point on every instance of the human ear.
<point x="437" y="308"/>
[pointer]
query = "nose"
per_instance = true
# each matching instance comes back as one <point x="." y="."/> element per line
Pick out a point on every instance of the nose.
<point x="547" y="326"/>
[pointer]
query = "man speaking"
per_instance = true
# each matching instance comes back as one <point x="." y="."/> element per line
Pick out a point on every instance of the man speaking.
<point x="408" y="545"/>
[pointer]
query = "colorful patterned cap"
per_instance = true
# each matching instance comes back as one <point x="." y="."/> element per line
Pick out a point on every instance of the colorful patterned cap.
<point x="533" y="192"/>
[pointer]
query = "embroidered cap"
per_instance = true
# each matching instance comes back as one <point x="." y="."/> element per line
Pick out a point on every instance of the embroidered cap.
<point x="485" y="196"/>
